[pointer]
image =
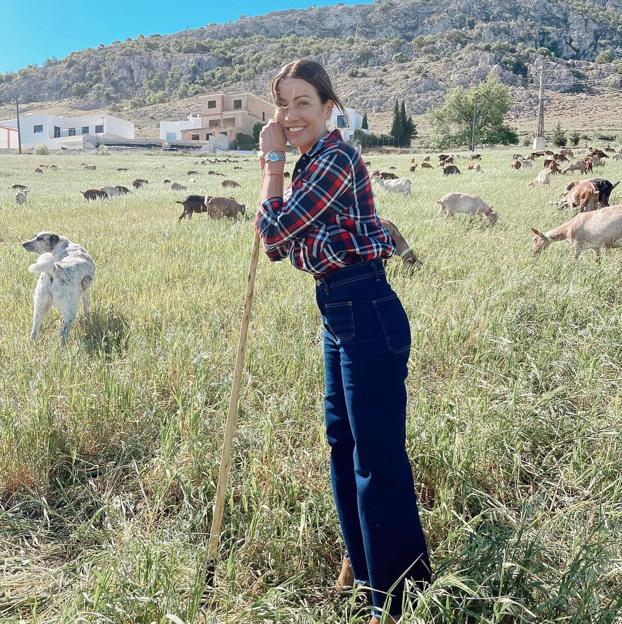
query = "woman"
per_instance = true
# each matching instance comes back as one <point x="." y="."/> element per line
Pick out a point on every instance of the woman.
<point x="328" y="226"/>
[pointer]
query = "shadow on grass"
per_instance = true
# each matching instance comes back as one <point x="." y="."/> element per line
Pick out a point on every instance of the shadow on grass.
<point x="106" y="333"/>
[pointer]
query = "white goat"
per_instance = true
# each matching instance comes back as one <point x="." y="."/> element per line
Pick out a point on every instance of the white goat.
<point x="454" y="203"/>
<point x="401" y="185"/>
<point x="587" y="230"/>
<point x="543" y="178"/>
<point x="21" y="197"/>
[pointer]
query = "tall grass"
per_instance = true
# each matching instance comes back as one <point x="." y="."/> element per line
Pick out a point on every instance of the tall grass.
<point x="109" y="447"/>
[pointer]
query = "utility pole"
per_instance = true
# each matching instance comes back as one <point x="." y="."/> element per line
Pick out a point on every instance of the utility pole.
<point x="19" y="132"/>
<point x="473" y="125"/>
<point x="539" y="142"/>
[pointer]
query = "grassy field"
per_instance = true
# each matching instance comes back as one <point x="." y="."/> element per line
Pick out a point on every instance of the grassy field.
<point x="109" y="447"/>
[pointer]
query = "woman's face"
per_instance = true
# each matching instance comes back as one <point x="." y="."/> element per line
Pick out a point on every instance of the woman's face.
<point x="301" y="113"/>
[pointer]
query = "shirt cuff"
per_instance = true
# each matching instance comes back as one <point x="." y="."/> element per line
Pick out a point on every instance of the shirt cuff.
<point x="271" y="205"/>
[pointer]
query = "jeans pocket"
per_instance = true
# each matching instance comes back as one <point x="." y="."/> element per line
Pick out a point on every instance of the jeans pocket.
<point x="394" y="322"/>
<point x="340" y="319"/>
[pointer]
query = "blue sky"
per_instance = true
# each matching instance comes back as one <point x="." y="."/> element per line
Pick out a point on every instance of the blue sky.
<point x="35" y="30"/>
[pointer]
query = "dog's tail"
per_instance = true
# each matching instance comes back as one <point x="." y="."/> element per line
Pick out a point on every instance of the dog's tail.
<point x="44" y="264"/>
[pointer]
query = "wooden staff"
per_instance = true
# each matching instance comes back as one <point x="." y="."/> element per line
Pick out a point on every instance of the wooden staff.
<point x="232" y="418"/>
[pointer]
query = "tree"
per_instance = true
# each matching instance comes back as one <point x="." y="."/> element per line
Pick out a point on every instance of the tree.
<point x="559" y="136"/>
<point x="452" y="121"/>
<point x="395" y="129"/>
<point x="575" y="137"/>
<point x="403" y="138"/>
<point x="257" y="127"/>
<point x="365" y="123"/>
<point x="403" y="129"/>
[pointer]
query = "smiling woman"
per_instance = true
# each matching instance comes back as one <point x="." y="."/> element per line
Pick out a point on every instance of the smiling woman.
<point x="327" y="225"/>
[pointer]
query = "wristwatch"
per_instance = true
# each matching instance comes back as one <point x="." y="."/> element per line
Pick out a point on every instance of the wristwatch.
<point x="275" y="156"/>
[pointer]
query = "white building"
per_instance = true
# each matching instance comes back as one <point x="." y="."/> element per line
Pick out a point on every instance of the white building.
<point x="71" y="132"/>
<point x="348" y="123"/>
<point x="171" y="130"/>
<point x="8" y="138"/>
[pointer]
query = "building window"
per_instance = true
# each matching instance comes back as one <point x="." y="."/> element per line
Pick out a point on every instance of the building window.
<point x="342" y="121"/>
<point x="85" y="129"/>
<point x="195" y="137"/>
<point x="214" y="123"/>
<point x="99" y="129"/>
<point x="38" y="128"/>
<point x="71" y="131"/>
<point x="207" y="136"/>
<point x="56" y="132"/>
<point x="237" y="104"/>
<point x="211" y="104"/>
<point x="263" y="116"/>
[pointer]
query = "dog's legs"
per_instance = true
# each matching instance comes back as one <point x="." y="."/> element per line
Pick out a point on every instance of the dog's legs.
<point x="86" y="281"/>
<point x="85" y="304"/>
<point x="42" y="305"/>
<point x="68" y="310"/>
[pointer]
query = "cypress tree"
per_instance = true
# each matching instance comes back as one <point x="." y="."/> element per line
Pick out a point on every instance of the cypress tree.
<point x="404" y="138"/>
<point x="395" y="132"/>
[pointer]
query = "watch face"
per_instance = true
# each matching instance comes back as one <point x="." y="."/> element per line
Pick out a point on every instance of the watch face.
<point x="274" y="156"/>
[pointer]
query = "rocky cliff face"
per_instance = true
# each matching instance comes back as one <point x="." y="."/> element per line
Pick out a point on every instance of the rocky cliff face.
<point x="411" y="49"/>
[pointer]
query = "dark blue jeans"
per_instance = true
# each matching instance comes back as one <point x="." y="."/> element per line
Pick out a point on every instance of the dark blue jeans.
<point x="366" y="348"/>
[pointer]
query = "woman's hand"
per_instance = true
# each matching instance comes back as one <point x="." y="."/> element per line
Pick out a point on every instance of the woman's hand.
<point x="272" y="138"/>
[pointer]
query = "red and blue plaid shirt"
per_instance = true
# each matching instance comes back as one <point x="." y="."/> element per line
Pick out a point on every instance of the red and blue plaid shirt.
<point x="327" y="219"/>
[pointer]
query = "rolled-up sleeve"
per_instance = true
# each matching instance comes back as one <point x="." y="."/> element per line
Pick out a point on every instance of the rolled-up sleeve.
<point x="312" y="194"/>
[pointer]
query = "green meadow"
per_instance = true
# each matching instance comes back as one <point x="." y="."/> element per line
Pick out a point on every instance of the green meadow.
<point x="110" y="445"/>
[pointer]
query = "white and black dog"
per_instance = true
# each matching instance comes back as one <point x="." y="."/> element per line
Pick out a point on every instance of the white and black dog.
<point x="66" y="273"/>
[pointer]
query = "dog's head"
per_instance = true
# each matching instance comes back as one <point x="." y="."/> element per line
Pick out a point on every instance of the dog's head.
<point x="43" y="242"/>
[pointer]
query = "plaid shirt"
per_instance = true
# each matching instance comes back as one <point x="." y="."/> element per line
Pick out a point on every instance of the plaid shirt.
<point x="327" y="219"/>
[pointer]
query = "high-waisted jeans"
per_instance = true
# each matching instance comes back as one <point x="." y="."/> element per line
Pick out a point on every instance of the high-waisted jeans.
<point x="366" y="348"/>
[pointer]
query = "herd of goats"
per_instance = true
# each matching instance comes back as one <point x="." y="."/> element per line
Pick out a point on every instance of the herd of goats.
<point x="585" y="230"/>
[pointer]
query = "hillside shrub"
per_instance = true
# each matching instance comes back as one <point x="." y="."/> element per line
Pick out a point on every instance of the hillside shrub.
<point x="559" y="136"/>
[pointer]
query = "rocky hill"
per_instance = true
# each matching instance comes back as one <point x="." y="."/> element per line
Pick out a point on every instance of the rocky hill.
<point x="410" y="49"/>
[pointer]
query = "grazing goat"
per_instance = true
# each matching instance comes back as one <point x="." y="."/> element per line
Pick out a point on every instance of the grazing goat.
<point x="584" y="195"/>
<point x="604" y="190"/>
<point x="454" y="203"/>
<point x="402" y="247"/>
<point x="93" y="194"/>
<point x="401" y="185"/>
<point x="451" y="170"/>
<point x="216" y="207"/>
<point x="543" y="178"/>
<point x="138" y="183"/>
<point x="113" y="191"/>
<point x="587" y="230"/>
<point x="427" y="165"/>
<point x="577" y="165"/>
<point x="385" y="175"/>
<point x="21" y="197"/>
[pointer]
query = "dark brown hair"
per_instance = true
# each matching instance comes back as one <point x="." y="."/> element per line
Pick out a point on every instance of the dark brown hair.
<point x="310" y="72"/>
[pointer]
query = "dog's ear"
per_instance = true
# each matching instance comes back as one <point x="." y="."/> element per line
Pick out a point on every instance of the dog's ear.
<point x="54" y="239"/>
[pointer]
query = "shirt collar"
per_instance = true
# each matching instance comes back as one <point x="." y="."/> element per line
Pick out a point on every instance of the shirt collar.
<point x="331" y="137"/>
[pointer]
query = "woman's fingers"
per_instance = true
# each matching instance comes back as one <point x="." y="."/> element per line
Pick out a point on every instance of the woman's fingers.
<point x="272" y="137"/>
